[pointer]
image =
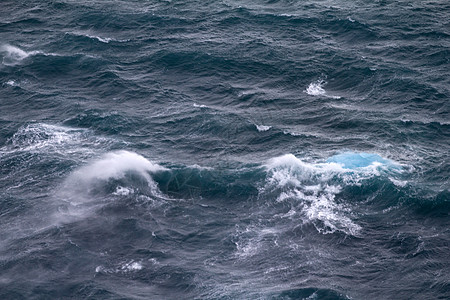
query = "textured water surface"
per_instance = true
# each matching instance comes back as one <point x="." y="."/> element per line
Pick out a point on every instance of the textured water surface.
<point x="225" y="149"/>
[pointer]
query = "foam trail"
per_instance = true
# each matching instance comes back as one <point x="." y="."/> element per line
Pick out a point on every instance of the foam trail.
<point x="100" y="39"/>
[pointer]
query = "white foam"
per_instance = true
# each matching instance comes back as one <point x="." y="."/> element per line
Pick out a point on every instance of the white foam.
<point x="123" y="191"/>
<point x="262" y="128"/>
<point x="101" y="39"/>
<point x="313" y="188"/>
<point x="14" y="55"/>
<point x="78" y="193"/>
<point x="288" y="168"/>
<point x="105" y="40"/>
<point x="11" y="83"/>
<point x="39" y="136"/>
<point x="126" y="267"/>
<point x="131" y="266"/>
<point x="316" y="89"/>
<point x="115" y="165"/>
<point x="200" y="105"/>
<point x="399" y="183"/>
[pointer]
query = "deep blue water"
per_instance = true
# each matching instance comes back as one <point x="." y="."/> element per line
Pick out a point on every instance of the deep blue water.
<point x="225" y="149"/>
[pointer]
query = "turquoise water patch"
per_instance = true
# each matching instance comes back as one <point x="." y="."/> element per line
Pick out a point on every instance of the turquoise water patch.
<point x="354" y="160"/>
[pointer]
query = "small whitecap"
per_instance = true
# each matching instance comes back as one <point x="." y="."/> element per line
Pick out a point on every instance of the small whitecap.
<point x="123" y="191"/>
<point x="105" y="40"/>
<point x="316" y="89"/>
<point x="11" y="83"/>
<point x="98" y="269"/>
<point x="131" y="266"/>
<point x="200" y="105"/>
<point x="262" y="128"/>
<point x="100" y="39"/>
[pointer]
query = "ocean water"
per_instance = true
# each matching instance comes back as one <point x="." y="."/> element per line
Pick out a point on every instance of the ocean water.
<point x="225" y="149"/>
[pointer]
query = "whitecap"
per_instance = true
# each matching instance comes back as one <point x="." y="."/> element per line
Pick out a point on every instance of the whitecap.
<point x="262" y="128"/>
<point x="316" y="89"/>
<point x="115" y="165"/>
<point x="13" y="55"/>
<point x="11" y="83"/>
<point x="200" y="105"/>
<point x="313" y="187"/>
<point x="131" y="266"/>
<point x="123" y="191"/>
<point x="84" y="191"/>
<point x="100" y="39"/>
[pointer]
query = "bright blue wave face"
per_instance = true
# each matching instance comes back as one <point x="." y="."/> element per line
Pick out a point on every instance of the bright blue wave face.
<point x="353" y="160"/>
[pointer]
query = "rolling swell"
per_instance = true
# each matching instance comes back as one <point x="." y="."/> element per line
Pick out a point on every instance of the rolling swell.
<point x="224" y="150"/>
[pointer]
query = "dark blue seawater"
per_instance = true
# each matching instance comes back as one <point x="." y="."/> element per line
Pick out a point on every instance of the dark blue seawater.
<point x="225" y="149"/>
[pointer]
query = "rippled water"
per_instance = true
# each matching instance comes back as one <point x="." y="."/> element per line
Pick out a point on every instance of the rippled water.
<point x="224" y="149"/>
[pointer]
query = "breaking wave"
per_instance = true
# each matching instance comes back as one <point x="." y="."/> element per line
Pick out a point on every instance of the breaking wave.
<point x="14" y="55"/>
<point x="313" y="188"/>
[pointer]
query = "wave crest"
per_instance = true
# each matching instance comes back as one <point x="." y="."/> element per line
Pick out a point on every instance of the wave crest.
<point x="13" y="55"/>
<point x="313" y="188"/>
<point x="316" y="89"/>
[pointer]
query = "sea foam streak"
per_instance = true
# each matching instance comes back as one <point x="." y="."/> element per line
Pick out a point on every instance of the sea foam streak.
<point x="105" y="40"/>
<point x="50" y="139"/>
<point x="40" y="135"/>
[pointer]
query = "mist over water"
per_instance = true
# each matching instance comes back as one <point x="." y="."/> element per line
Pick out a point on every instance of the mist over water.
<point x="224" y="150"/>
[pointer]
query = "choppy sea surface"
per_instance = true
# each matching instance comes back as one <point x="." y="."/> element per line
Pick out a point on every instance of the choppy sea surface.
<point x="225" y="149"/>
